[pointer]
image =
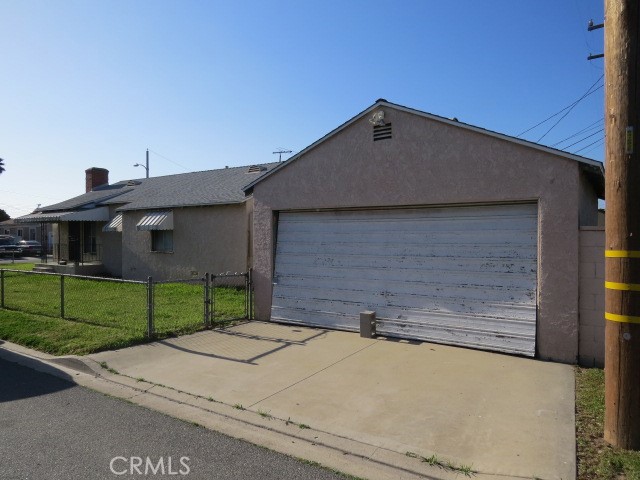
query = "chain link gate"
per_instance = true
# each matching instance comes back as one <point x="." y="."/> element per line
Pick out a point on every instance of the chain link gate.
<point x="218" y="289"/>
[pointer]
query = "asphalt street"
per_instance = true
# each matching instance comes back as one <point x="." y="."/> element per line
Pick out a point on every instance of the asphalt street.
<point x="53" y="429"/>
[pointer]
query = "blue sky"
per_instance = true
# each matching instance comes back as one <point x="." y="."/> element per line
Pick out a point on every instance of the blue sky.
<point x="204" y="84"/>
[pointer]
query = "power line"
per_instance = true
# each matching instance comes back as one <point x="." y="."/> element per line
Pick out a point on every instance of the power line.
<point x="585" y="129"/>
<point x="587" y="146"/>
<point x="169" y="160"/>
<point x="599" y="143"/>
<point x="587" y="93"/>
<point x="584" y="138"/>
<point x="565" y="108"/>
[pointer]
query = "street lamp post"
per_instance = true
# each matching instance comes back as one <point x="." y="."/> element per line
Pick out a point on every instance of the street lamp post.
<point x="146" y="167"/>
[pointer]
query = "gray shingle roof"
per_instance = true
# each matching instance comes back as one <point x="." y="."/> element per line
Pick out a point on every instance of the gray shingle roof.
<point x="95" y="196"/>
<point x="209" y="187"/>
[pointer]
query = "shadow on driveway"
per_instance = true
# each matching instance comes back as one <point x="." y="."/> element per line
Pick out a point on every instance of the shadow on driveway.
<point x="263" y="341"/>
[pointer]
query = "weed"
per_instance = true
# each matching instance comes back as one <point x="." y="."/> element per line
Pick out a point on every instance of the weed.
<point x="109" y="369"/>
<point x="434" y="461"/>
<point x="238" y="406"/>
<point x="303" y="426"/>
<point x="264" y="414"/>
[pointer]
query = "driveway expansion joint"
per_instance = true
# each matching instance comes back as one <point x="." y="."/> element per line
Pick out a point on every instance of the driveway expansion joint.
<point x="314" y="373"/>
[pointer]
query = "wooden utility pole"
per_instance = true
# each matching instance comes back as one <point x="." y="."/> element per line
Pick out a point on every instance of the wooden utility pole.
<point x="622" y="231"/>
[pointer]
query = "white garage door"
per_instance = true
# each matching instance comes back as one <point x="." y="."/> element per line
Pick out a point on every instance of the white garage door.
<point x="456" y="275"/>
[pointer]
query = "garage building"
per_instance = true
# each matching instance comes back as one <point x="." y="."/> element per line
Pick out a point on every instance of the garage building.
<point x="450" y="233"/>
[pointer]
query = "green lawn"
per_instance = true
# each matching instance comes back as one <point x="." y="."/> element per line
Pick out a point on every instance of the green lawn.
<point x="62" y="337"/>
<point x="597" y="459"/>
<point x="102" y="314"/>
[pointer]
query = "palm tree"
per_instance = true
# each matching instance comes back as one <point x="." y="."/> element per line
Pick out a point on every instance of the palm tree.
<point x="1" y="165"/>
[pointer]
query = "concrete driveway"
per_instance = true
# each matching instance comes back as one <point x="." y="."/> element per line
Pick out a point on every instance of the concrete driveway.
<point x="502" y="415"/>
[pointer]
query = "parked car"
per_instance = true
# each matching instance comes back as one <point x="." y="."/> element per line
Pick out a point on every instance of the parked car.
<point x="9" y="247"/>
<point x="30" y="248"/>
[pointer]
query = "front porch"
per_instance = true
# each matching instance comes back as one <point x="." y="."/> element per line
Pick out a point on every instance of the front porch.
<point x="89" y="269"/>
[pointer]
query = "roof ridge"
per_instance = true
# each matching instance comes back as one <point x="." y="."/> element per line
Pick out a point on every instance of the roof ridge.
<point x="209" y="170"/>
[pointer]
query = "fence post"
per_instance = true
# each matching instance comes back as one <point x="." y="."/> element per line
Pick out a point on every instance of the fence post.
<point x="246" y="295"/>
<point x="150" y="326"/>
<point x="2" y="288"/>
<point x="213" y="299"/>
<point x="61" y="295"/>
<point x="250" y="291"/>
<point x="207" y="304"/>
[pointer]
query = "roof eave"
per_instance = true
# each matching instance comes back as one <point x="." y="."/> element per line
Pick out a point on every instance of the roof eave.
<point x="191" y="205"/>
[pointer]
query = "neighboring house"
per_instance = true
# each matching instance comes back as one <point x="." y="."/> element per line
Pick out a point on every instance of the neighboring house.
<point x="40" y="232"/>
<point x="170" y="227"/>
<point x="449" y="232"/>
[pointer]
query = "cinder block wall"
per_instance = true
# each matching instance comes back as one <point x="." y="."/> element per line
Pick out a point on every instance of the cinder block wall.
<point x="591" y="331"/>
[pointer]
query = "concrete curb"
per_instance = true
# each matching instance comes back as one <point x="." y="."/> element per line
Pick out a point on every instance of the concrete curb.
<point x="342" y="454"/>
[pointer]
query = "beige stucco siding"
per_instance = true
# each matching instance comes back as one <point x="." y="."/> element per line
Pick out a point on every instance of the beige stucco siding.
<point x="111" y="247"/>
<point x="210" y="239"/>
<point x="431" y="163"/>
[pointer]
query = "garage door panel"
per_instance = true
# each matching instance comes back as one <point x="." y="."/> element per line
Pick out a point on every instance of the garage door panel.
<point x="521" y="344"/>
<point x="461" y="275"/>
<point x="439" y="320"/>
<point x="359" y="290"/>
<point x="493" y="236"/>
<point x="314" y="318"/>
<point x="405" y="306"/>
<point x="471" y="321"/>
<point x="288" y="263"/>
<point x="411" y="221"/>
<point x="329" y="274"/>
<point x="362" y="251"/>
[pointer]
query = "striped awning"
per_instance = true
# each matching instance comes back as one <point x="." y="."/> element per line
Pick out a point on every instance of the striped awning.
<point x="100" y="214"/>
<point x="114" y="225"/>
<point x="156" y="221"/>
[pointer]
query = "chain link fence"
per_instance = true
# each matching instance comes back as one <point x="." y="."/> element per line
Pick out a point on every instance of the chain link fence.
<point x="151" y="308"/>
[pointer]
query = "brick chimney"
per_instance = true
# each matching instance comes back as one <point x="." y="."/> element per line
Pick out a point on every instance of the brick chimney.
<point x="96" y="177"/>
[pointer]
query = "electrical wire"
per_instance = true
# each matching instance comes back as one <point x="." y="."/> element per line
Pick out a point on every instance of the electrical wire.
<point x="588" y="92"/>
<point x="564" y="109"/>
<point x="584" y="138"/>
<point x="585" y="129"/>
<point x="169" y="160"/>
<point x="598" y="144"/>
<point x="587" y="146"/>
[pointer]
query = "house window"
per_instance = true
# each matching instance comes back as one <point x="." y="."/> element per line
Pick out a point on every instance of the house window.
<point x="20" y="233"/>
<point x="32" y="234"/>
<point x="162" y="240"/>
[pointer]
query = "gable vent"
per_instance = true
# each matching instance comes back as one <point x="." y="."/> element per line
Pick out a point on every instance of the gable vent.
<point x="256" y="168"/>
<point x="381" y="132"/>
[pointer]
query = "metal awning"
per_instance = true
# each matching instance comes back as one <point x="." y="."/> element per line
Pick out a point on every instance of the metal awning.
<point x="100" y="214"/>
<point x="156" y="221"/>
<point x="114" y="225"/>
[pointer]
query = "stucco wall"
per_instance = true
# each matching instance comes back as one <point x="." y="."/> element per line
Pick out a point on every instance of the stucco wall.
<point x="205" y="239"/>
<point x="431" y="163"/>
<point x="111" y="244"/>
<point x="592" y="296"/>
